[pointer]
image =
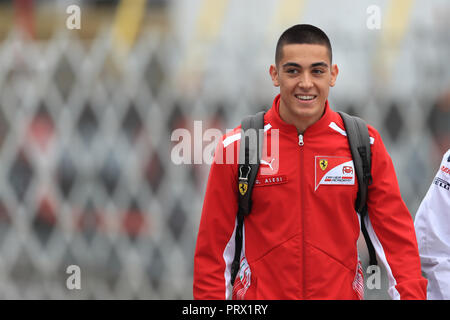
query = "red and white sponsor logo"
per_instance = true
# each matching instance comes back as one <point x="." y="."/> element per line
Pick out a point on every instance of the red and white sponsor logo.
<point x="446" y="170"/>
<point x="338" y="171"/>
<point x="347" y="170"/>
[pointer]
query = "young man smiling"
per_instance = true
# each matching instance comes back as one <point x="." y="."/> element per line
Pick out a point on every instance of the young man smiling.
<point x="304" y="74"/>
<point x="300" y="240"/>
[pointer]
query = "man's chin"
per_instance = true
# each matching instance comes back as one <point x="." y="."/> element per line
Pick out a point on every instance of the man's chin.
<point x="306" y="111"/>
<point x="299" y="110"/>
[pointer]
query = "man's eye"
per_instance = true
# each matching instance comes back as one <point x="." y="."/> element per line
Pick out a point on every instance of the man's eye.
<point x="292" y="71"/>
<point x="317" y="71"/>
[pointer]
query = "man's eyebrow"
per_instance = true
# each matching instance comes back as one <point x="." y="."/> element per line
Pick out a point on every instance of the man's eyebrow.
<point x="296" y="65"/>
<point x="291" y="64"/>
<point x="319" y="64"/>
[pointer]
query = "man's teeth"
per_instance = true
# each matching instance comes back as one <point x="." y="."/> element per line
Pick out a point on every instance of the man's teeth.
<point x="305" y="97"/>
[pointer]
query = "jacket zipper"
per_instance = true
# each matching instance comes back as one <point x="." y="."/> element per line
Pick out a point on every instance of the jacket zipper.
<point x="301" y="143"/>
<point x="300" y="140"/>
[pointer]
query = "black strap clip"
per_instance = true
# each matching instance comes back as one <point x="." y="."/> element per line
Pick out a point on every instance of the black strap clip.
<point x="244" y="172"/>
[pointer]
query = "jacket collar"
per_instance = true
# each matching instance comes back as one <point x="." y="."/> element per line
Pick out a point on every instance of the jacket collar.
<point x="273" y="117"/>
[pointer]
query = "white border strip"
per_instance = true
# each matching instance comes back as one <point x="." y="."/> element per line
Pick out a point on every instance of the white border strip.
<point x="335" y="127"/>
<point x="381" y="255"/>
<point x="235" y="137"/>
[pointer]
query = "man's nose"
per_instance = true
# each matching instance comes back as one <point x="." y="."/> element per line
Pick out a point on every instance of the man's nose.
<point x="305" y="82"/>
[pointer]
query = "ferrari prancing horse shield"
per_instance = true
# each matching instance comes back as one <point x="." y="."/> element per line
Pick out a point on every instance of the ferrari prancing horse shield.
<point x="323" y="164"/>
<point x="243" y="186"/>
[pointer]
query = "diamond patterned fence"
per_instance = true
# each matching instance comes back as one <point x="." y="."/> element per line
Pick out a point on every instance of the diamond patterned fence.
<point x="86" y="175"/>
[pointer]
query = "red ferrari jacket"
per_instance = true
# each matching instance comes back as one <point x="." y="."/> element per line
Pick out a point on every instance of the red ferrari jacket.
<point x="300" y="240"/>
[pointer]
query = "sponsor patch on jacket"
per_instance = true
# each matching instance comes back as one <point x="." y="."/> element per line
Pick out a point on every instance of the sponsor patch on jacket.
<point x="331" y="170"/>
<point x="442" y="183"/>
<point x="270" y="180"/>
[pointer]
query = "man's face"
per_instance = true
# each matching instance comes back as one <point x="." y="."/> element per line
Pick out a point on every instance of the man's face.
<point x="304" y="75"/>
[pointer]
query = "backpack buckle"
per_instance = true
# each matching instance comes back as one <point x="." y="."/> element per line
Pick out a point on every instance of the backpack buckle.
<point x="244" y="172"/>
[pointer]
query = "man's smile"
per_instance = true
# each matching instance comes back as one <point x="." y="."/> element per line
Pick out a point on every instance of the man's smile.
<point x="305" y="97"/>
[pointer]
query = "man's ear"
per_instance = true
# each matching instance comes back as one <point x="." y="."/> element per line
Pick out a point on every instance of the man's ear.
<point x="334" y="74"/>
<point x="274" y="75"/>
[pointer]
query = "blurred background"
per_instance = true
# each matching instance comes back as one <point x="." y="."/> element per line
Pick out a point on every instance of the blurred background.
<point x="88" y="106"/>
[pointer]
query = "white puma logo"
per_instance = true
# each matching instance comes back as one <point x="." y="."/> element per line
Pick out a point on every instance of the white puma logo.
<point x="267" y="163"/>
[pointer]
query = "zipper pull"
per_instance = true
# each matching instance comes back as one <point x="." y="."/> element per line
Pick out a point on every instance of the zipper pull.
<point x="300" y="140"/>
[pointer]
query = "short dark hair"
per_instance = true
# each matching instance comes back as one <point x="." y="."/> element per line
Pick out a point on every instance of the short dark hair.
<point x="302" y="34"/>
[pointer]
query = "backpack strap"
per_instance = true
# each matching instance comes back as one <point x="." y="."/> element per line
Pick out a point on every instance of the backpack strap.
<point x="249" y="157"/>
<point x="359" y="142"/>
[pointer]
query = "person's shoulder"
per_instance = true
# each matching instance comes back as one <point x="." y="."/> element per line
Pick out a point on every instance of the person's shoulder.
<point x="442" y="178"/>
<point x="231" y="137"/>
<point x="446" y="156"/>
<point x="337" y="119"/>
<point x="445" y="164"/>
<point x="373" y="132"/>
